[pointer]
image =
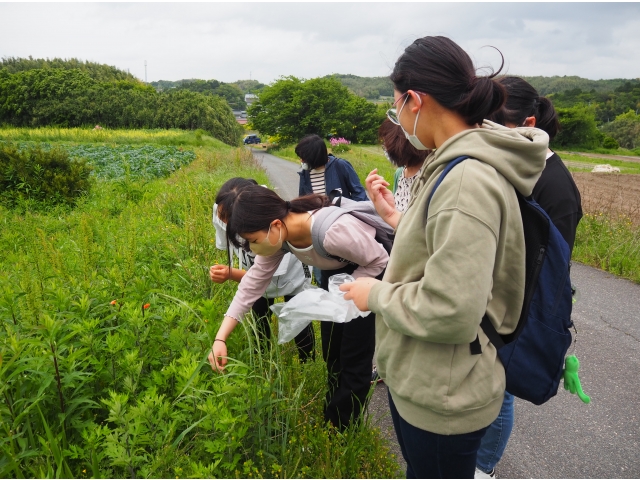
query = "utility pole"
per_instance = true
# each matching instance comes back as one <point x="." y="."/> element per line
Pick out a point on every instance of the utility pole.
<point x="145" y="71"/>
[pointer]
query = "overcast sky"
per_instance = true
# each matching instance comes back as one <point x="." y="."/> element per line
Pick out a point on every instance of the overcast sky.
<point x="232" y="41"/>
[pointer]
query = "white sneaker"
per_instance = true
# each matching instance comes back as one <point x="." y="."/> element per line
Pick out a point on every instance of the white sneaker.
<point x="480" y="474"/>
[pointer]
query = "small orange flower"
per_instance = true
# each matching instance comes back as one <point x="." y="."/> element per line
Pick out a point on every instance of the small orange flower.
<point x="113" y="302"/>
<point x="146" y="305"/>
<point x="206" y="321"/>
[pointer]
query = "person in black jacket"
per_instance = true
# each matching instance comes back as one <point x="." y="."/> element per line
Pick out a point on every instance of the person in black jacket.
<point x="558" y="195"/>
<point x="323" y="173"/>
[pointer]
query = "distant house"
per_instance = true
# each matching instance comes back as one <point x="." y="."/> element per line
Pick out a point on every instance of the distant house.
<point x="241" y="116"/>
<point x="249" y="98"/>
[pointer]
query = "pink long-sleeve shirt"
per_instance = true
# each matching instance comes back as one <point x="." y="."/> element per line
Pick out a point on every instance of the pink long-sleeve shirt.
<point x="347" y="238"/>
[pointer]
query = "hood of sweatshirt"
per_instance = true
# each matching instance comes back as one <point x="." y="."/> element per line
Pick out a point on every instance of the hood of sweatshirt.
<point x="519" y="154"/>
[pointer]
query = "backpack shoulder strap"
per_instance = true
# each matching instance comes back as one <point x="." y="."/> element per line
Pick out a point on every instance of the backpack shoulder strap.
<point x="322" y="221"/>
<point x="485" y="324"/>
<point x="444" y="173"/>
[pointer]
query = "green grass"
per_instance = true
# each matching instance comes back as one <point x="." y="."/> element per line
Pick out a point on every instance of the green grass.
<point x="364" y="159"/>
<point x="579" y="163"/>
<point x="611" y="243"/>
<point x="108" y="136"/>
<point x="92" y="384"/>
<point x="606" y="151"/>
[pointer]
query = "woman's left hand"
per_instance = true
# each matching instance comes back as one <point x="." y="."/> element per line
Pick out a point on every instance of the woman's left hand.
<point x="358" y="291"/>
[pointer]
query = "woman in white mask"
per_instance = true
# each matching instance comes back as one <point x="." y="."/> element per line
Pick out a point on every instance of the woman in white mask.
<point x="266" y="222"/>
<point x="456" y="257"/>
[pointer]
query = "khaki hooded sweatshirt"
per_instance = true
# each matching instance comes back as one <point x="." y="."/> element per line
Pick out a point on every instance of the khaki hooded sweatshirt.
<point x="446" y="271"/>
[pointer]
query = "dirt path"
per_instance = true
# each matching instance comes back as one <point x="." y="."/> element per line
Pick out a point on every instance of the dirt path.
<point x="622" y="158"/>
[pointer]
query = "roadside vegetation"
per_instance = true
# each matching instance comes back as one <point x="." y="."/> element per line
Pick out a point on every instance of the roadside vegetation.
<point x="107" y="314"/>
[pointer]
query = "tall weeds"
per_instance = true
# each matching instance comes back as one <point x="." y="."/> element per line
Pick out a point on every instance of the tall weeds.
<point x="608" y="236"/>
<point x="106" y="318"/>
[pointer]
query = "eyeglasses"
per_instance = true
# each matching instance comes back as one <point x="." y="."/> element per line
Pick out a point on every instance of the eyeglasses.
<point x="392" y="113"/>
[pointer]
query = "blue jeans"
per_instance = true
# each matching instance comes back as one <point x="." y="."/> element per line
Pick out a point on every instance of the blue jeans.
<point x="431" y="455"/>
<point x="495" y="440"/>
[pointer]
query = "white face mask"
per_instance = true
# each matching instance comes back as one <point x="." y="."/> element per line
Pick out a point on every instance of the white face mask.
<point x="413" y="139"/>
<point x="265" y="248"/>
<point x="305" y="166"/>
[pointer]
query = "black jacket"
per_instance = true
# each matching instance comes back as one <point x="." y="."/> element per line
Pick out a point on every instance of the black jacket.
<point x="338" y="174"/>
<point x="558" y="195"/>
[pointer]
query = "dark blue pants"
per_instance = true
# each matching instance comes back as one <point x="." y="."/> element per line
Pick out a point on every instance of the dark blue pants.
<point x="430" y="455"/>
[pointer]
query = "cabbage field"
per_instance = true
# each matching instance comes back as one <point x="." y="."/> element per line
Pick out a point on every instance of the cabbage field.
<point x="112" y="162"/>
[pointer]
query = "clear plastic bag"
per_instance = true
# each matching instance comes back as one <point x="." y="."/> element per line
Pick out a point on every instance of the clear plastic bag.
<point x="314" y="303"/>
<point x="334" y="287"/>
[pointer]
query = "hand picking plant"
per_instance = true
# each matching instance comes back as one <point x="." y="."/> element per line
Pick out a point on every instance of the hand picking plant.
<point x="339" y="145"/>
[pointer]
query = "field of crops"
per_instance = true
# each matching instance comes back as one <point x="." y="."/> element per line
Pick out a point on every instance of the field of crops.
<point x="106" y="317"/>
<point x="117" y="161"/>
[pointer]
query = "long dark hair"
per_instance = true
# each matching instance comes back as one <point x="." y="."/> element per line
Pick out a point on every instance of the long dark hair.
<point x="401" y="153"/>
<point x="439" y="67"/>
<point x="255" y="207"/>
<point x="228" y="192"/>
<point x="523" y="101"/>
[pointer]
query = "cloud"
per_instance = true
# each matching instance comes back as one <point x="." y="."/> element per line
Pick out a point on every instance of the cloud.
<point x="230" y="41"/>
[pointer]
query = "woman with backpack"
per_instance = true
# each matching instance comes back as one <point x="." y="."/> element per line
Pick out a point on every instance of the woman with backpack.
<point x="558" y="195"/>
<point x="271" y="226"/>
<point x="456" y="257"/>
<point x="289" y="280"/>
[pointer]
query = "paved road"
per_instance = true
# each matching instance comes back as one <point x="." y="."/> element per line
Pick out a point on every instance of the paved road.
<point x="563" y="438"/>
<point x="283" y="173"/>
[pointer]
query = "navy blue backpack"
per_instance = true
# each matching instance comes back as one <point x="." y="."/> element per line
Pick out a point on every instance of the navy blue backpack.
<point x="533" y="355"/>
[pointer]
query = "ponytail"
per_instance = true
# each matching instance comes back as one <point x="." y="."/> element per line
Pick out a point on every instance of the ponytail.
<point x="255" y="207"/>
<point x="523" y="101"/>
<point x="439" y="67"/>
<point x="547" y="118"/>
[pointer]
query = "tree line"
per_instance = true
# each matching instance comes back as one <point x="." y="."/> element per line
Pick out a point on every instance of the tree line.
<point x="613" y="116"/>
<point x="233" y="93"/>
<point x="76" y="97"/>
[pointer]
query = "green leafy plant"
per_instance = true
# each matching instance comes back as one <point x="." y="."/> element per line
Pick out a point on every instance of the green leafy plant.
<point x="42" y="176"/>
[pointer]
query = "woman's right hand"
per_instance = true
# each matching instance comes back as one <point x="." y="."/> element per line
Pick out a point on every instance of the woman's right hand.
<point x="382" y="198"/>
<point x="218" y="353"/>
<point x="218" y="356"/>
<point x="219" y="273"/>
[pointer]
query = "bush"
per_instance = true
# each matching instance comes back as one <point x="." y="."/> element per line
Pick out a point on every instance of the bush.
<point x="339" y="145"/>
<point x="577" y="128"/>
<point x="610" y="143"/>
<point x="625" y="129"/>
<point x="43" y="176"/>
